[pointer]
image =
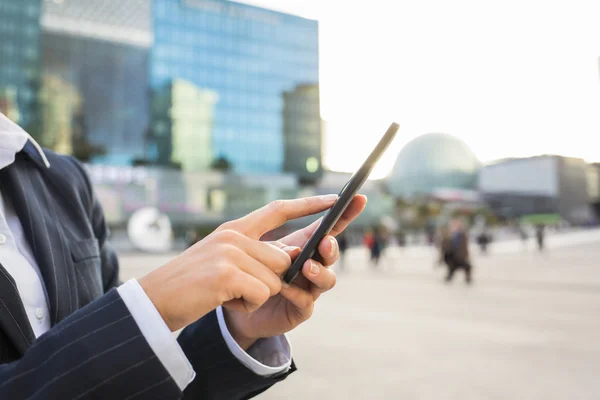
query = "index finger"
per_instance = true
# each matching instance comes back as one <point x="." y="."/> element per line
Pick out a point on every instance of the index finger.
<point x="278" y="212"/>
<point x="300" y="237"/>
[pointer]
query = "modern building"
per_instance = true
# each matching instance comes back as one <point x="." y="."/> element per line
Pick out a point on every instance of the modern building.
<point x="593" y="180"/>
<point x="183" y="117"/>
<point x="59" y="105"/>
<point x="99" y="50"/>
<point x="302" y="133"/>
<point x="113" y="56"/>
<point x="19" y="59"/>
<point x="549" y="184"/>
<point x="249" y="57"/>
<point x="209" y="198"/>
<point x="434" y="163"/>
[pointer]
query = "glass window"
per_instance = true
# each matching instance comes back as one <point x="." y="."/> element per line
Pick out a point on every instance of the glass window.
<point x="211" y="22"/>
<point x="201" y="39"/>
<point x="160" y="10"/>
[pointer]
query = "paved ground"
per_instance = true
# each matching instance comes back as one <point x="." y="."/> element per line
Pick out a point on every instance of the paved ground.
<point x="529" y="328"/>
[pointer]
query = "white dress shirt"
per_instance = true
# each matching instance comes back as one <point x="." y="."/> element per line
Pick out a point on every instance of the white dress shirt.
<point x="267" y="357"/>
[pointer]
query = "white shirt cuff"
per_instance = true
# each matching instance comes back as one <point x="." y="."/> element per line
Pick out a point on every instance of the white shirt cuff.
<point x="157" y="333"/>
<point x="266" y="357"/>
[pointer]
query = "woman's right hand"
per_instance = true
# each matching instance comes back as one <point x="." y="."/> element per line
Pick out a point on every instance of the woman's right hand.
<point x="231" y="266"/>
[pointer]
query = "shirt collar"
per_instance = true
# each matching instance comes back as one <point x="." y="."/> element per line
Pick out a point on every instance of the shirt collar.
<point x="14" y="139"/>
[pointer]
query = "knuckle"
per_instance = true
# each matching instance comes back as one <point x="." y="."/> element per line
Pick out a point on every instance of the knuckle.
<point x="309" y="310"/>
<point x="306" y="302"/>
<point x="229" y="225"/>
<point x="224" y="271"/>
<point x="277" y="206"/>
<point x="332" y="280"/>
<point x="284" y="260"/>
<point x="228" y="235"/>
<point x="275" y="287"/>
<point x="280" y="267"/>
<point x="250" y="308"/>
<point x="264" y="294"/>
<point x="231" y="253"/>
<point x="306" y="202"/>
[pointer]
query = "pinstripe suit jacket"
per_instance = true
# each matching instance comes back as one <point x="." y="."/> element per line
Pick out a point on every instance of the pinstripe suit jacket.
<point x="94" y="349"/>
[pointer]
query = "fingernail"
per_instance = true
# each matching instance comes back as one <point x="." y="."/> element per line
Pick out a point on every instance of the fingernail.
<point x="314" y="268"/>
<point x="291" y="249"/>
<point x="333" y="246"/>
<point x="329" y="197"/>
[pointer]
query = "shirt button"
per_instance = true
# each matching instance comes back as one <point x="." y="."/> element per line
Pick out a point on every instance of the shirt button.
<point x="2" y="238"/>
<point x="39" y="313"/>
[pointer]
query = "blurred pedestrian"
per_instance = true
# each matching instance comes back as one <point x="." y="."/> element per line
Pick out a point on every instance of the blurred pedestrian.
<point x="401" y="238"/>
<point x="430" y="234"/>
<point x="377" y="248"/>
<point x="539" y="235"/>
<point x="523" y="235"/>
<point x="456" y="251"/>
<point x="442" y="243"/>
<point x="343" y="246"/>
<point x="368" y="239"/>
<point x="483" y="240"/>
<point x="374" y="242"/>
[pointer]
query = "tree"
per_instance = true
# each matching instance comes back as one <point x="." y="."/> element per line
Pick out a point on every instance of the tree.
<point x="83" y="149"/>
<point x="222" y="164"/>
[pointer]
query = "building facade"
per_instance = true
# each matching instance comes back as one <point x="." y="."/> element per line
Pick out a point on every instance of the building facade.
<point x="19" y="59"/>
<point x="302" y="132"/>
<point x="183" y="119"/>
<point x="593" y="177"/>
<point x="88" y="79"/>
<point x="98" y="51"/>
<point x="538" y="185"/>
<point x="433" y="162"/>
<point x="249" y="57"/>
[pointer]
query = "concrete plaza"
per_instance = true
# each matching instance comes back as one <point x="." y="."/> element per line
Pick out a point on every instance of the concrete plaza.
<point x="529" y="327"/>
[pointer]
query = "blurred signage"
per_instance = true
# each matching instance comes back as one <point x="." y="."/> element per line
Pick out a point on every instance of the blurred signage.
<point x="456" y="195"/>
<point x="111" y="174"/>
<point x="233" y="10"/>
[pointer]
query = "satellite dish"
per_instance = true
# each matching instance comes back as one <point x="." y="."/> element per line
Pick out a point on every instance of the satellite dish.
<point x="150" y="231"/>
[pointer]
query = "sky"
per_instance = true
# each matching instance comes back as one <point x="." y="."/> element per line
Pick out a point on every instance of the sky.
<point x="511" y="78"/>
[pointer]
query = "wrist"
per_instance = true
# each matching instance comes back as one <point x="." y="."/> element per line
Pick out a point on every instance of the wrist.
<point x="244" y="341"/>
<point x="154" y="296"/>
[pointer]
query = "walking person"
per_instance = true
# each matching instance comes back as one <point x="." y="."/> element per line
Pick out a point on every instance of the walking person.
<point x="539" y="235"/>
<point x="456" y="251"/>
<point x="342" y="240"/>
<point x="523" y="235"/>
<point x="442" y="244"/>
<point x="377" y="249"/>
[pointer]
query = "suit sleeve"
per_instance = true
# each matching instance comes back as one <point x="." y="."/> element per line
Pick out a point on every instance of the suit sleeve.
<point x="98" y="351"/>
<point x="219" y="374"/>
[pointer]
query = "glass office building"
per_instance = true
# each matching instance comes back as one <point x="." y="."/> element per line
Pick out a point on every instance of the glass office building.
<point x="93" y="95"/>
<point x="302" y="126"/>
<point x="239" y="61"/>
<point x="19" y="58"/>
<point x="94" y="99"/>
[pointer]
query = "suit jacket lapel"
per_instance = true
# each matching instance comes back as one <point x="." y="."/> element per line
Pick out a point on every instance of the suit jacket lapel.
<point x="13" y="318"/>
<point x="22" y="181"/>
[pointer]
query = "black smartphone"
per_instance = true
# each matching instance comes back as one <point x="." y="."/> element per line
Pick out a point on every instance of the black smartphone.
<point x="335" y="212"/>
